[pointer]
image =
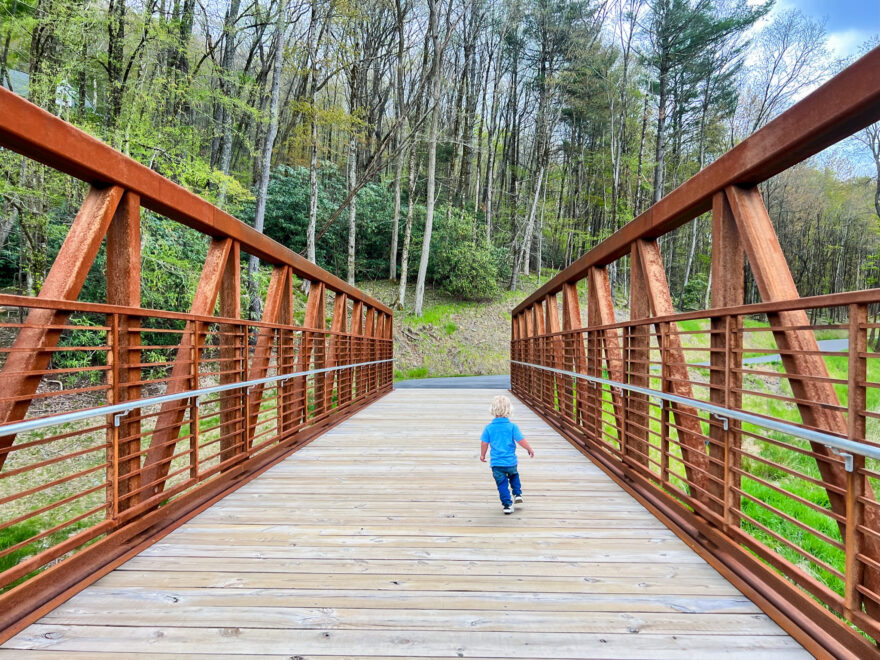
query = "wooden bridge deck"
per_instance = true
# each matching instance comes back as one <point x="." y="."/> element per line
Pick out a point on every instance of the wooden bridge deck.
<point x="385" y="537"/>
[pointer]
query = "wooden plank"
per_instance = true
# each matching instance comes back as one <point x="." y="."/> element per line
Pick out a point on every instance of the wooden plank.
<point x="444" y="583"/>
<point x="322" y="618"/>
<point x="145" y="639"/>
<point x="654" y="570"/>
<point x="417" y="600"/>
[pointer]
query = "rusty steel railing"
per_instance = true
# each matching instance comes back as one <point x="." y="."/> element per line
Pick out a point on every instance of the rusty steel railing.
<point x="118" y="423"/>
<point x="764" y="492"/>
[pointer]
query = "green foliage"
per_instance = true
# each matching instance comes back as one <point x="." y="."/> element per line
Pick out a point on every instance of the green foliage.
<point x="695" y="292"/>
<point x="90" y="338"/>
<point x="462" y="264"/>
<point x="287" y="218"/>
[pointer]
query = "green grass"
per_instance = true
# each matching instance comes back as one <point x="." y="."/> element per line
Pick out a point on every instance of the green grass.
<point x="13" y="536"/>
<point x="436" y="314"/>
<point x="409" y="374"/>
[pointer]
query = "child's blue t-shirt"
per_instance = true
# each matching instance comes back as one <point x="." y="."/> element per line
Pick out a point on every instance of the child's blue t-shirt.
<point x="502" y="435"/>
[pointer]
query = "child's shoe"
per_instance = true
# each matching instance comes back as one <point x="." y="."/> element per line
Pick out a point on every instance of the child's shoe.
<point x="517" y="499"/>
<point x="508" y="509"/>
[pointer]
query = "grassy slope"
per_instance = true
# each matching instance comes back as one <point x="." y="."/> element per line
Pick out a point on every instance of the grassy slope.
<point x="451" y="337"/>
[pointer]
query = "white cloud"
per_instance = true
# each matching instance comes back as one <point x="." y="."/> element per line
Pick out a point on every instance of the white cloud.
<point x="846" y="43"/>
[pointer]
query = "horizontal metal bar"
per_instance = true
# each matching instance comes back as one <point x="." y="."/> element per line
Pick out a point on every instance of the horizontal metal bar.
<point x="118" y="409"/>
<point x="27" y="302"/>
<point x="863" y="297"/>
<point x="831" y="441"/>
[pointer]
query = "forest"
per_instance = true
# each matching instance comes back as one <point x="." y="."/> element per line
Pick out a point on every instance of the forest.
<point x="460" y="144"/>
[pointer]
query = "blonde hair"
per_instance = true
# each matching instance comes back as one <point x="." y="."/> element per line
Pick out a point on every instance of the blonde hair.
<point x="501" y="406"/>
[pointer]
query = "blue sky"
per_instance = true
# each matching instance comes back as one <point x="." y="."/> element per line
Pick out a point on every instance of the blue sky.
<point x="849" y="22"/>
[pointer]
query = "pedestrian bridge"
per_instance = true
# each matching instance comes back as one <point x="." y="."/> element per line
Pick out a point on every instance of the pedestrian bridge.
<point x="202" y="484"/>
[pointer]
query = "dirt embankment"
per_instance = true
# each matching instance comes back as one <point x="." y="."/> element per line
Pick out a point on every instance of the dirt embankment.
<point x="451" y="338"/>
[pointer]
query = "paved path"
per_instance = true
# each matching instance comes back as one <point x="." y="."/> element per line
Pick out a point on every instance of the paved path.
<point x="385" y="538"/>
<point x="457" y="383"/>
<point x="829" y="345"/>
<point x="824" y="345"/>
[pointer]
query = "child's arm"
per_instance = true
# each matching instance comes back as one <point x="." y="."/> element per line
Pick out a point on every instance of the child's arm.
<point x="525" y="445"/>
<point x="484" y="447"/>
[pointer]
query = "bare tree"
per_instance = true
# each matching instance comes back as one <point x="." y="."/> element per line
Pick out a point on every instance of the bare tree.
<point x="256" y="302"/>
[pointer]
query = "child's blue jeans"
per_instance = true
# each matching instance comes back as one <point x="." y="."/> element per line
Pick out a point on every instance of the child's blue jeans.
<point x="503" y="474"/>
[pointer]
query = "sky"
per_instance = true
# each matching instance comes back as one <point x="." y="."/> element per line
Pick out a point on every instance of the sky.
<point x="850" y="23"/>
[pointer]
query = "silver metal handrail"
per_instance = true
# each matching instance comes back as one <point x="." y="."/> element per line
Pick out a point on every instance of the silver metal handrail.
<point x="848" y="448"/>
<point x="119" y="410"/>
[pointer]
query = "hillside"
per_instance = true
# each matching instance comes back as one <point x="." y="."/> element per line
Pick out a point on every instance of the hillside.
<point x="451" y="337"/>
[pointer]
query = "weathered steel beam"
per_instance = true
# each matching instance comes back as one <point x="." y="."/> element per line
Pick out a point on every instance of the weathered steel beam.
<point x="355" y="351"/>
<point x="29" y="354"/>
<point x="817" y="400"/>
<point x="601" y="314"/>
<point x="170" y="418"/>
<point x="575" y="357"/>
<point x="314" y="320"/>
<point x="728" y="290"/>
<point x="124" y="289"/>
<point x="266" y="337"/>
<point x="338" y="324"/>
<point x="690" y="433"/>
<point x="233" y="341"/>
<point x="637" y="352"/>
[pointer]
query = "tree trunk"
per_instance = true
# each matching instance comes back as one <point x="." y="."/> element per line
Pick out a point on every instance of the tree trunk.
<point x="313" y="135"/>
<point x="660" y="146"/>
<point x="540" y="231"/>
<point x="522" y="255"/>
<point x="398" y="166"/>
<point x="313" y="188"/>
<point x="352" y="206"/>
<point x="227" y="89"/>
<point x="407" y="235"/>
<point x="395" y="226"/>
<point x="256" y="303"/>
<point x="115" y="45"/>
<point x="432" y="158"/>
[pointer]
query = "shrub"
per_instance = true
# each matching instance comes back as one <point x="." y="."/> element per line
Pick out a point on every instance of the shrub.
<point x="463" y="265"/>
<point x="695" y="292"/>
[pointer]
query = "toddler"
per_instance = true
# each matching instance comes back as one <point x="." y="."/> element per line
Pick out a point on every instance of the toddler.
<point x="502" y="436"/>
